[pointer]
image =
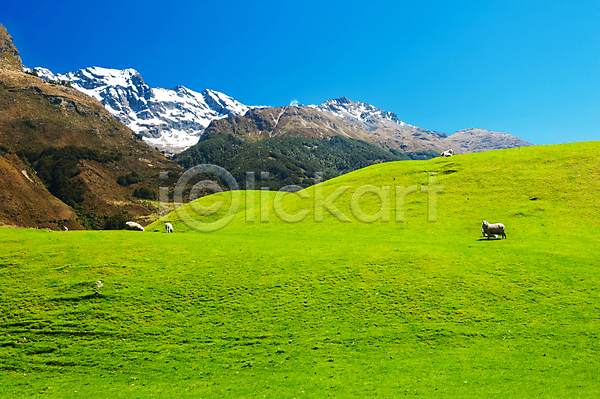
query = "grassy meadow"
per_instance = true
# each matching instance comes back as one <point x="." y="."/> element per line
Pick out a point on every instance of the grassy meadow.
<point x="323" y="309"/>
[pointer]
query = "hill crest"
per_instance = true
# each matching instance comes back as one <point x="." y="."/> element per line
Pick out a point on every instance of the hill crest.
<point x="356" y="120"/>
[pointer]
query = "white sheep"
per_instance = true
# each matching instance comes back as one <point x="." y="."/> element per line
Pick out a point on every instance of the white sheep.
<point x="169" y="227"/>
<point x="65" y="228"/>
<point x="494" y="230"/>
<point x="448" y="153"/>
<point x="133" y="226"/>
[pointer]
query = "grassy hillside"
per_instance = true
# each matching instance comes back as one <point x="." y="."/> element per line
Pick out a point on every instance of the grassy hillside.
<point x="325" y="309"/>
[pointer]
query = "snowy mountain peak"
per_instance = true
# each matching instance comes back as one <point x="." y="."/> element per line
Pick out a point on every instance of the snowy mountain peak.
<point x="362" y="112"/>
<point x="170" y="119"/>
<point x="116" y="77"/>
<point x="341" y="100"/>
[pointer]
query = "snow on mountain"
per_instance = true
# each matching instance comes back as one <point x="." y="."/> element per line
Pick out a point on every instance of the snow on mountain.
<point x="384" y="128"/>
<point x="170" y="119"/>
<point x="362" y="112"/>
<point x="174" y="119"/>
<point x="43" y="73"/>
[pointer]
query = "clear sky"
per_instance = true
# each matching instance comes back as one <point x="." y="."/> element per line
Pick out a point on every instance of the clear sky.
<point x="529" y="68"/>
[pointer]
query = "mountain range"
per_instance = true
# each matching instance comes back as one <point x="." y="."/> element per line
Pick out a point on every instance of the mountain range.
<point x="175" y="119"/>
<point x="170" y="119"/>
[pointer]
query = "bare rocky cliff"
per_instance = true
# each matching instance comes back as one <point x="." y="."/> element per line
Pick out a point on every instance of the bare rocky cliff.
<point x="9" y="55"/>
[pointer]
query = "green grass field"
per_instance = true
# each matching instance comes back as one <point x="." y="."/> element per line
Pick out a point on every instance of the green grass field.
<point x="313" y="310"/>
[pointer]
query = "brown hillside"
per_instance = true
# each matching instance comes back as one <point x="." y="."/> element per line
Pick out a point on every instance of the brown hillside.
<point x="24" y="201"/>
<point x="35" y="115"/>
<point x="262" y="123"/>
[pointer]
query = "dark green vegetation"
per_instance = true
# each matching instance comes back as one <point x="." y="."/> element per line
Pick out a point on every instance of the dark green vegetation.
<point x="58" y="168"/>
<point x="129" y="179"/>
<point x="321" y="309"/>
<point x="116" y="222"/>
<point x="145" y="193"/>
<point x="289" y="160"/>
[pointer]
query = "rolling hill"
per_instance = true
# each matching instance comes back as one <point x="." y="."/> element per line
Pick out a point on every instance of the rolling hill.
<point x="359" y="308"/>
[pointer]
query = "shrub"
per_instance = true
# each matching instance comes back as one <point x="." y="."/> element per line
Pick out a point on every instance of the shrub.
<point x="116" y="222"/>
<point x="145" y="193"/>
<point x="129" y="179"/>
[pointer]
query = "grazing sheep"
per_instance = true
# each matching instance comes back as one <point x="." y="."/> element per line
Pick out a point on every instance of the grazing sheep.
<point x="169" y="227"/>
<point x="448" y="153"/>
<point x="133" y="226"/>
<point x="490" y="230"/>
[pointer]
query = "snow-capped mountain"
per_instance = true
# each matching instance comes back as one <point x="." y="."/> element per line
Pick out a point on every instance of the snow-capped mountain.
<point x="170" y="119"/>
<point x="175" y="119"/>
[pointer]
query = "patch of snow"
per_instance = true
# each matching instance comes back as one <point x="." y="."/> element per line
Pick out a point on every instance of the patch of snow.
<point x="359" y="112"/>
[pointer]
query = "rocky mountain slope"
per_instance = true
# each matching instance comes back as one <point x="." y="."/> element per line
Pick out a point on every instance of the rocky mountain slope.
<point x="382" y="128"/>
<point x="62" y="155"/>
<point x="478" y="140"/>
<point x="317" y="122"/>
<point x="359" y="121"/>
<point x="169" y="119"/>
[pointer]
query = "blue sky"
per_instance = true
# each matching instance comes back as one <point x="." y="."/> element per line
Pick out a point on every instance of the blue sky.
<point x="529" y="68"/>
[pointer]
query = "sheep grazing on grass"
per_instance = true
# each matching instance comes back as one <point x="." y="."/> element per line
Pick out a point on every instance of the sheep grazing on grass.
<point x="448" y="153"/>
<point x="492" y="230"/>
<point x="169" y="227"/>
<point x="133" y="226"/>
